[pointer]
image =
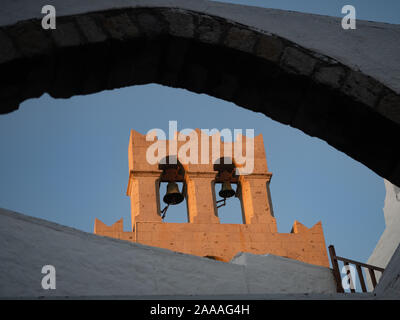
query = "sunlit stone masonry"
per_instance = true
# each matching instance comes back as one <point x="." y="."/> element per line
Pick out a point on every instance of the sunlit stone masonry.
<point x="203" y="234"/>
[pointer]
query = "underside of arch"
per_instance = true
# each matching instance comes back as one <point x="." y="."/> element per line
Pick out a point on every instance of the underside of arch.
<point x="96" y="51"/>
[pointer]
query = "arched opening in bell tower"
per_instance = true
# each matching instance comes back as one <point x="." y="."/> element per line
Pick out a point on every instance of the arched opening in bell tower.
<point x="227" y="191"/>
<point x="172" y="191"/>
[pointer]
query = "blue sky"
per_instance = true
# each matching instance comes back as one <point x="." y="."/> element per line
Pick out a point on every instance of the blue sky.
<point x="67" y="160"/>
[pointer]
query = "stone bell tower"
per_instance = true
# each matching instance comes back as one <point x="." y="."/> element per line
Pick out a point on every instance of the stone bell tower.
<point x="203" y="234"/>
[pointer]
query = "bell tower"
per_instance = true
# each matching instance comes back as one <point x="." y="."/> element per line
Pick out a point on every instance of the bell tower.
<point x="212" y="163"/>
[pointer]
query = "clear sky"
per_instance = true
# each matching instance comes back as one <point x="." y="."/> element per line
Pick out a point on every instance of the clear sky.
<point x="67" y="160"/>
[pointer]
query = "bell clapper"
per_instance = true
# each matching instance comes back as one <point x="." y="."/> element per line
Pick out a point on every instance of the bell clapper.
<point x="223" y="204"/>
<point x="164" y="211"/>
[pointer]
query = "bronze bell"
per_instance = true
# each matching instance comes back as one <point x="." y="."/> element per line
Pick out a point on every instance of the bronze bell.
<point x="173" y="196"/>
<point x="226" y="190"/>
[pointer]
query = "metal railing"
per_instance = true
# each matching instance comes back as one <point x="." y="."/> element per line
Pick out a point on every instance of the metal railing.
<point x="371" y="269"/>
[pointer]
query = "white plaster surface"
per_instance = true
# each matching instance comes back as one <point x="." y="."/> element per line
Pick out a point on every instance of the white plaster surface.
<point x="373" y="48"/>
<point x="289" y="275"/>
<point x="389" y="285"/>
<point x="390" y="239"/>
<point x="230" y="297"/>
<point x="88" y="265"/>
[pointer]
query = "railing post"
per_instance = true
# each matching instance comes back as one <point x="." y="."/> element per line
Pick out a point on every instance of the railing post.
<point x="348" y="274"/>
<point x="373" y="279"/>
<point x="361" y="277"/>
<point x="336" y="271"/>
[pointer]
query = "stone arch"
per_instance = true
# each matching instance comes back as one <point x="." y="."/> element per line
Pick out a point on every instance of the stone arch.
<point x="227" y="163"/>
<point x="204" y="53"/>
<point x="172" y="161"/>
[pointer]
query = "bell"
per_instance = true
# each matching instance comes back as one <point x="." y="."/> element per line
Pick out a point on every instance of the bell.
<point x="226" y="190"/>
<point x="173" y="196"/>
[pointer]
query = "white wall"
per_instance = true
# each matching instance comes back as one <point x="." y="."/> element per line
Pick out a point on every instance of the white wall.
<point x="89" y="265"/>
<point x="390" y="238"/>
<point x="389" y="286"/>
<point x="284" y="275"/>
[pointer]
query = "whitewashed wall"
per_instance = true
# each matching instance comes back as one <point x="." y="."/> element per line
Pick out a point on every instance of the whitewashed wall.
<point x="390" y="238"/>
<point x="90" y="265"/>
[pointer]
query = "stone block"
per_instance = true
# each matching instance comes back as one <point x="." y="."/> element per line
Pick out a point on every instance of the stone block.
<point x="362" y="88"/>
<point x="90" y="29"/>
<point x="269" y="48"/>
<point x="151" y="25"/>
<point x="241" y="39"/>
<point x="209" y="30"/>
<point x="180" y="23"/>
<point x="332" y="76"/>
<point x="120" y="27"/>
<point x="66" y="35"/>
<point x="297" y="61"/>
